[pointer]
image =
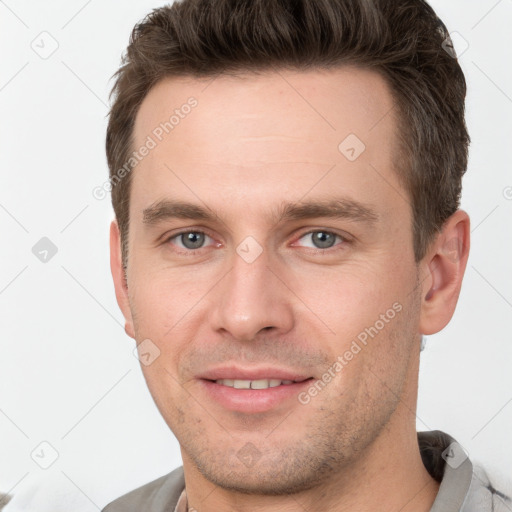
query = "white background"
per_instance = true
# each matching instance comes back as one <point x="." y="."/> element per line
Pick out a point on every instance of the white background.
<point x="67" y="372"/>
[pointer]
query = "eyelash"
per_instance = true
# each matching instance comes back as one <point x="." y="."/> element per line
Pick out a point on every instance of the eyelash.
<point x="336" y="247"/>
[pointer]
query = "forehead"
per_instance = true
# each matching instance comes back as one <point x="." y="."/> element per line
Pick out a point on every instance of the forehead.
<point x="265" y="135"/>
<point x="328" y="101"/>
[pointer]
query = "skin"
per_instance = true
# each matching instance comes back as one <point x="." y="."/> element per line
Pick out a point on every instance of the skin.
<point x="252" y="143"/>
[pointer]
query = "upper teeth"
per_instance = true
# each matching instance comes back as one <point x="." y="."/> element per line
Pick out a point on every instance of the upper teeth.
<point x="252" y="384"/>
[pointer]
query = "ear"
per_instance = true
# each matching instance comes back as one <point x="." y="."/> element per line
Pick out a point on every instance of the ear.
<point x="120" y="285"/>
<point x="443" y="269"/>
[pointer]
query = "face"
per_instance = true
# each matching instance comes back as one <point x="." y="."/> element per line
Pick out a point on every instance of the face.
<point x="270" y="240"/>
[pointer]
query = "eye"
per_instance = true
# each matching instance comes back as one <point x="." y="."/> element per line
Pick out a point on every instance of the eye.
<point x="322" y="239"/>
<point x="193" y="240"/>
<point x="189" y="240"/>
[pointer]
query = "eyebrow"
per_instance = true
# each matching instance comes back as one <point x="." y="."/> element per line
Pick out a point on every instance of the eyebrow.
<point x="342" y="208"/>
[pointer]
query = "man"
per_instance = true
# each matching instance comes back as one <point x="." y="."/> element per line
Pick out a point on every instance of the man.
<point x="286" y="179"/>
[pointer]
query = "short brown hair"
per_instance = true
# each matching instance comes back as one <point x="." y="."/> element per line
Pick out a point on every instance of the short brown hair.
<point x="403" y="40"/>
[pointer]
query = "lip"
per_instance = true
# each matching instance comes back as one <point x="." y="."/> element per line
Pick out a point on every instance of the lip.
<point x="253" y="401"/>
<point x="239" y="373"/>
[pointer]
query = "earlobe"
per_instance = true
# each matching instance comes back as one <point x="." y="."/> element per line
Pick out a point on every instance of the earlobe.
<point x="118" y="275"/>
<point x="444" y="267"/>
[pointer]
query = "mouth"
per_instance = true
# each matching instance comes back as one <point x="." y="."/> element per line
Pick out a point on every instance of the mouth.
<point x="256" y="384"/>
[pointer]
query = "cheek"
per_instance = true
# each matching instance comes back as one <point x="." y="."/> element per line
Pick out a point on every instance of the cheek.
<point x="163" y="298"/>
<point x="368" y="319"/>
<point x="168" y="394"/>
<point x="347" y="299"/>
<point x="375" y="356"/>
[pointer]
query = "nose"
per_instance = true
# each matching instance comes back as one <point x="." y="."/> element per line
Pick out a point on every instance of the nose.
<point x="252" y="297"/>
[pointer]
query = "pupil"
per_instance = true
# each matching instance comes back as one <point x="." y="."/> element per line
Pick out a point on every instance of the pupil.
<point x="193" y="240"/>
<point x="323" y="239"/>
